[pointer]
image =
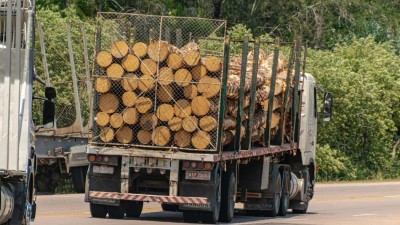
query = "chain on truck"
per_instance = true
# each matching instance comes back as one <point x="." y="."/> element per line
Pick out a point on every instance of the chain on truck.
<point x="167" y="91"/>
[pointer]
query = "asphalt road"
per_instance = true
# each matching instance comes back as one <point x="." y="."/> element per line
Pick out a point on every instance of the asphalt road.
<point x="360" y="203"/>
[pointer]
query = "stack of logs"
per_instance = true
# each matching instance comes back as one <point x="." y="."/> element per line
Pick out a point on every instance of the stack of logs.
<point x="158" y="94"/>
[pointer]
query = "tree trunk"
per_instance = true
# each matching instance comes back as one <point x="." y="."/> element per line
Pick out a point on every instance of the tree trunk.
<point x="190" y="123"/>
<point x="104" y="59"/>
<point x="102" y="85"/>
<point x="148" y="121"/>
<point x="115" y="71"/>
<point x="119" y="49"/>
<point x="201" y="140"/>
<point x="191" y="54"/>
<point x="130" y="116"/>
<point x="102" y="119"/>
<point x="161" y="136"/>
<point x="140" y="49"/>
<point x="144" y="137"/>
<point x="124" y="135"/>
<point x="182" y="138"/>
<point x="165" y="112"/>
<point x="108" y="103"/>
<point x="143" y="104"/>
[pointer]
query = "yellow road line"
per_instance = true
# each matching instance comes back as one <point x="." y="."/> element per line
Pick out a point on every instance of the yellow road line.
<point x="47" y="215"/>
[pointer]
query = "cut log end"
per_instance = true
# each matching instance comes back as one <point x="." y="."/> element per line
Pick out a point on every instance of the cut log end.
<point x="102" y="119"/>
<point x="165" y="94"/>
<point x="143" y="104"/>
<point x="182" y="138"/>
<point x="115" y="71"/>
<point x="130" y="82"/>
<point x="130" y="63"/>
<point x="116" y="120"/>
<point x="102" y="85"/>
<point x="174" y="61"/>
<point x="106" y="134"/>
<point x="182" y="77"/>
<point x="146" y="83"/>
<point x="158" y="50"/>
<point x="130" y="116"/>
<point x="182" y="108"/>
<point x="119" y="49"/>
<point x="208" y="123"/>
<point x="124" y="135"/>
<point x="165" y="76"/>
<point x="190" y="91"/>
<point x="190" y="123"/>
<point x="104" y="59"/>
<point x="200" y="105"/>
<point x="148" y="121"/>
<point x="198" y="72"/>
<point x="213" y="64"/>
<point x="175" y="124"/>
<point x="144" y="137"/>
<point x="209" y="86"/>
<point x="129" y="98"/>
<point x="201" y="140"/>
<point x="148" y="67"/>
<point x="140" y="49"/>
<point x="161" y="136"/>
<point x="108" y="103"/>
<point x="165" y="112"/>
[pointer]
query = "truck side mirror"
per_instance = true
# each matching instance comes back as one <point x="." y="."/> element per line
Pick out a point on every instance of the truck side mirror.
<point x="49" y="112"/>
<point x="327" y="107"/>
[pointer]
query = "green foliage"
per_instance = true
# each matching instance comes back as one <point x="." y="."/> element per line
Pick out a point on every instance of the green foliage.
<point x="363" y="76"/>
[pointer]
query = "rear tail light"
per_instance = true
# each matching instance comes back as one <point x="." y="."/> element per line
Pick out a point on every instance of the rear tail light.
<point x="193" y="165"/>
<point x="91" y="158"/>
<point x="186" y="164"/>
<point x="208" y="166"/>
<point x="200" y="165"/>
<point x="112" y="160"/>
<point x="197" y="165"/>
<point x="99" y="158"/>
<point x="106" y="159"/>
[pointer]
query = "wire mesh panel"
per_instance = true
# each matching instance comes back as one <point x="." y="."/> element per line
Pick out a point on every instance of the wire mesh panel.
<point x="157" y="81"/>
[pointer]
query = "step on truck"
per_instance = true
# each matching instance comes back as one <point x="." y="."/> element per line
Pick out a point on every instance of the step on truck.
<point x="186" y="117"/>
<point x="17" y="153"/>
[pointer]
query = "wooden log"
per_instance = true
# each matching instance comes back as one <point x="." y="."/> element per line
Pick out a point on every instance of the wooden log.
<point x="129" y="98"/>
<point x="124" y="135"/>
<point x="108" y="103"/>
<point x="227" y="137"/>
<point x="161" y="136"/>
<point x="198" y="72"/>
<point x="102" y="119"/>
<point x="280" y="86"/>
<point x="140" y="49"/>
<point x="262" y="94"/>
<point x="165" y="94"/>
<point x="209" y="86"/>
<point x="276" y="104"/>
<point x="115" y="71"/>
<point x="182" y="77"/>
<point x="146" y="83"/>
<point x="143" y="104"/>
<point x="182" y="108"/>
<point x="130" y="82"/>
<point x="130" y="116"/>
<point x="165" y="76"/>
<point x="130" y="63"/>
<point x="182" y="138"/>
<point x="106" y="134"/>
<point x="275" y="120"/>
<point x="165" y="112"/>
<point x="200" y="105"/>
<point x="201" y="140"/>
<point x="104" y="59"/>
<point x="102" y="85"/>
<point x="148" y="121"/>
<point x="281" y="61"/>
<point x="148" y="67"/>
<point x="119" y="49"/>
<point x="229" y="122"/>
<point x="190" y="123"/>
<point x="242" y="131"/>
<point x="144" y="136"/>
<point x="191" y="54"/>
<point x="175" y="61"/>
<point x="213" y="64"/>
<point x="208" y="123"/>
<point x="116" y="120"/>
<point x="190" y="91"/>
<point x="158" y="50"/>
<point x="175" y="124"/>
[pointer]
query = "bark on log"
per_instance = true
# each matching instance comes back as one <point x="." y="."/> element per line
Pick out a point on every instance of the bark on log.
<point x="144" y="137"/>
<point x="148" y="67"/>
<point x="182" y="108"/>
<point x="229" y="122"/>
<point x="275" y="120"/>
<point x="130" y="63"/>
<point x="129" y="98"/>
<point x="140" y="49"/>
<point x="281" y="61"/>
<point x="165" y="94"/>
<point x="119" y="49"/>
<point x="130" y="116"/>
<point x="182" y="138"/>
<point x="106" y="134"/>
<point x="213" y="64"/>
<point x="148" y="121"/>
<point x="242" y="131"/>
<point x="175" y="61"/>
<point x="115" y="71"/>
<point x="208" y="123"/>
<point x="166" y="76"/>
<point x="227" y="137"/>
<point x="209" y="86"/>
<point x="143" y="104"/>
<point x="190" y="91"/>
<point x="200" y="105"/>
<point x="116" y="120"/>
<point x="129" y="82"/>
<point x="104" y="59"/>
<point x="108" y="103"/>
<point x="103" y="85"/>
<point x="161" y="136"/>
<point x="124" y="135"/>
<point x="158" y="50"/>
<point x="165" y="112"/>
<point x="276" y="104"/>
<point x="201" y="140"/>
<point x="190" y="123"/>
<point x="102" y="119"/>
<point x="182" y="77"/>
<point x="146" y="83"/>
<point x="198" y="72"/>
<point x="175" y="124"/>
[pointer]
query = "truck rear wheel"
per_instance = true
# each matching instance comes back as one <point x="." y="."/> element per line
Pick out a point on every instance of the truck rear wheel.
<point x="98" y="211"/>
<point x="116" y="212"/>
<point x="134" y="209"/>
<point x="276" y="200"/>
<point x="78" y="175"/>
<point x="228" y="197"/>
<point x="285" y="194"/>
<point x="190" y="216"/>
<point x="170" y="207"/>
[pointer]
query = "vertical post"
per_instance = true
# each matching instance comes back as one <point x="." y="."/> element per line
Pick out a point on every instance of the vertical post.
<point x="249" y="125"/>
<point x="223" y="95"/>
<point x="87" y="72"/>
<point x="245" y="50"/>
<point x="44" y="57"/>
<point x="271" y="94"/>
<point x="296" y="94"/>
<point x="74" y="81"/>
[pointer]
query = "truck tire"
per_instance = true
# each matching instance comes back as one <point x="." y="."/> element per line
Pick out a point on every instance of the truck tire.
<point x="283" y="208"/>
<point x="302" y="209"/>
<point x="98" y="211"/>
<point x="170" y="207"/>
<point x="116" y="212"/>
<point x="78" y="175"/>
<point x="228" y="197"/>
<point x="277" y="198"/>
<point x="190" y="216"/>
<point x="134" y="209"/>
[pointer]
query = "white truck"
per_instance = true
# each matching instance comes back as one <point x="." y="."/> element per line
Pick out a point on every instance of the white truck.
<point x="205" y="184"/>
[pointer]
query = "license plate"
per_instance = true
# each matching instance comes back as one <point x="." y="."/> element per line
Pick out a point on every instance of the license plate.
<point x="197" y="175"/>
<point x="103" y="169"/>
